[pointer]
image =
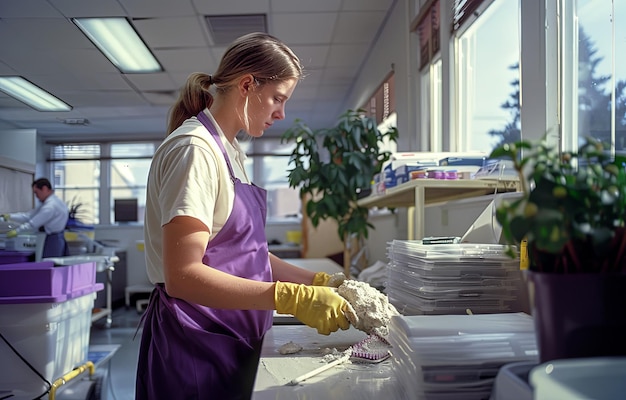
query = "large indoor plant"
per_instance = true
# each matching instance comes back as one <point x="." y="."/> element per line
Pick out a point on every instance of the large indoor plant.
<point x="334" y="167"/>
<point x="571" y="214"/>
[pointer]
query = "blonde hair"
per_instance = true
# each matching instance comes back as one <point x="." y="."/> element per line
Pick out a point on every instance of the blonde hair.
<point x="259" y="54"/>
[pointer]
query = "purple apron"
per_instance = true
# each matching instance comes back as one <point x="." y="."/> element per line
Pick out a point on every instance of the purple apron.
<point x="190" y="351"/>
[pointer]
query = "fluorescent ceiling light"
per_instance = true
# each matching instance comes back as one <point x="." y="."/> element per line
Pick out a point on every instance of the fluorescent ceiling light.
<point x="32" y="95"/>
<point x="120" y="43"/>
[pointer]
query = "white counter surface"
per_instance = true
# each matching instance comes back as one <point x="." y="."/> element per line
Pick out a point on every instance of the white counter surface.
<point x="346" y="381"/>
<point x="316" y="264"/>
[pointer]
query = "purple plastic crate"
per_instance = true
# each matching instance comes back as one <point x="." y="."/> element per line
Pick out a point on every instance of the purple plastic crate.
<point x="43" y="282"/>
<point x="14" y="257"/>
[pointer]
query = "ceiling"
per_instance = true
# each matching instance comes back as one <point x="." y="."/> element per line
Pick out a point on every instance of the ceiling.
<point x="40" y="43"/>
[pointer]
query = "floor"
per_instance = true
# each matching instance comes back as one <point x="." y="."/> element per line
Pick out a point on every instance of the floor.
<point x="123" y="364"/>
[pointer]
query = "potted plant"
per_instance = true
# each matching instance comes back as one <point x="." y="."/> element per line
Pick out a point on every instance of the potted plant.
<point x="334" y="167"/>
<point x="571" y="214"/>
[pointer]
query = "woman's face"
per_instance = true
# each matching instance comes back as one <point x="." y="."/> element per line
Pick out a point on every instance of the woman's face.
<point x="266" y="104"/>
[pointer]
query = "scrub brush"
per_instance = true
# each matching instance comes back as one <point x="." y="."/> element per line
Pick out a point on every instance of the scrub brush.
<point x="372" y="349"/>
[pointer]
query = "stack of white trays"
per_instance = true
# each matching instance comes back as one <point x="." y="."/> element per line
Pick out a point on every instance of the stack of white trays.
<point x="456" y="278"/>
<point x="457" y="357"/>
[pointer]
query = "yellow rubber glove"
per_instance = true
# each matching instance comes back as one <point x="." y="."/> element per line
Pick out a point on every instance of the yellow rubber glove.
<point x="6" y="217"/>
<point x="12" y="233"/>
<point x="319" y="307"/>
<point x="324" y="279"/>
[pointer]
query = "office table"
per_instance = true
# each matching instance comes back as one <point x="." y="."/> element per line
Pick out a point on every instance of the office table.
<point x="345" y="381"/>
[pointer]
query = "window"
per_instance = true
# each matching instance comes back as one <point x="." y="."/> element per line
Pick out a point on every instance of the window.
<point x="130" y="163"/>
<point x="382" y="107"/>
<point x="431" y="107"/>
<point x="267" y="165"/>
<point x="487" y="58"/>
<point x="594" y="77"/>
<point x="427" y="26"/>
<point x="85" y="173"/>
<point x="76" y="172"/>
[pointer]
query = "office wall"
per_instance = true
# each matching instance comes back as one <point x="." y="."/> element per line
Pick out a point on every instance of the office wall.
<point x="19" y="144"/>
<point x="17" y="169"/>
<point x="393" y="51"/>
<point x="124" y="238"/>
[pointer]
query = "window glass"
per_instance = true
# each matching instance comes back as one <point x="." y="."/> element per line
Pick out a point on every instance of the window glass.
<point x="600" y="76"/>
<point x="431" y="107"/>
<point x="487" y="66"/>
<point x="128" y="180"/>
<point x="77" y="181"/>
<point x="267" y="166"/>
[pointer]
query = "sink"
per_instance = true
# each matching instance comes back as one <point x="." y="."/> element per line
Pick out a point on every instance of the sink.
<point x="103" y="262"/>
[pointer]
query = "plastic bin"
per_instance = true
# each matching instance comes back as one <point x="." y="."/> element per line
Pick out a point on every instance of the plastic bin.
<point x="43" y="282"/>
<point x="45" y="316"/>
<point x="13" y="256"/>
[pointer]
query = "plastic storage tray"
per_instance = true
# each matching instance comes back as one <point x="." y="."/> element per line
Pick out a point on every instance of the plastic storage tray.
<point x="13" y="256"/>
<point x="45" y="316"/>
<point x="52" y="337"/>
<point x="43" y="282"/>
<point x="456" y="251"/>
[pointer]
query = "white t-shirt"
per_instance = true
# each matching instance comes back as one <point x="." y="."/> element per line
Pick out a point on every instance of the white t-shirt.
<point x="189" y="176"/>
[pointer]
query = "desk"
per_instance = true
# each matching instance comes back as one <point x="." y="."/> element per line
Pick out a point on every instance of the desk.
<point x="346" y="381"/>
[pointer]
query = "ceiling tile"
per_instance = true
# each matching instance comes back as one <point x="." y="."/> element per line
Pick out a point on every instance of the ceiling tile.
<point x="372" y="5"/>
<point x="304" y="6"/>
<point x="188" y="60"/>
<point x="152" y="82"/>
<point x="342" y="55"/>
<point x="27" y="9"/>
<point x="231" y="7"/>
<point x="357" y="27"/>
<point x="311" y="56"/>
<point x="179" y="32"/>
<point x="100" y="8"/>
<point x="312" y="28"/>
<point x="158" y="8"/>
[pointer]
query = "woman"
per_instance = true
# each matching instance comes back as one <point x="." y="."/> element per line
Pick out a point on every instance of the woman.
<point x="206" y="252"/>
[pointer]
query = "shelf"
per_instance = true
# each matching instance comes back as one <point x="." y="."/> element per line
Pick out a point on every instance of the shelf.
<point x="437" y="190"/>
<point x="421" y="192"/>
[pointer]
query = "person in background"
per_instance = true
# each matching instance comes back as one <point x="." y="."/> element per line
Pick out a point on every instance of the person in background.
<point x="50" y="216"/>
<point x="216" y="284"/>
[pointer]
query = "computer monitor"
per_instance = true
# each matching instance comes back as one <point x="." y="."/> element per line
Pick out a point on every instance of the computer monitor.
<point x="125" y="210"/>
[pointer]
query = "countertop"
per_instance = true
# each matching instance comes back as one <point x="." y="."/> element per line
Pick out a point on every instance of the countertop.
<point x="345" y="381"/>
<point x="316" y="264"/>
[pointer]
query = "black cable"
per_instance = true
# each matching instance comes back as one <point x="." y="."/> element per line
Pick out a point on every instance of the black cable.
<point x="17" y="353"/>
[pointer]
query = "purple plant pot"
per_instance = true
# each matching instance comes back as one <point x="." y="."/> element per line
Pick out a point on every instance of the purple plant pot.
<point x="579" y="315"/>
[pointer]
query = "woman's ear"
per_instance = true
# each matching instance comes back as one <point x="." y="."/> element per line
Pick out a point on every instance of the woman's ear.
<point x="246" y="84"/>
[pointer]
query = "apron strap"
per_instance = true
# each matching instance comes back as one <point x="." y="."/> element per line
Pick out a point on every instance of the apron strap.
<point x="213" y="131"/>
